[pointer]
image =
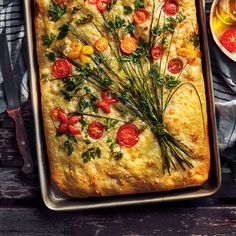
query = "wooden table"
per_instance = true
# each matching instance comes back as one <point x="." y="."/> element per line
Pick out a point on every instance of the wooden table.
<point x="22" y="211"/>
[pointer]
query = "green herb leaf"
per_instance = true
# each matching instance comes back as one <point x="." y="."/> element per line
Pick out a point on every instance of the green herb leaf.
<point x="170" y="25"/>
<point x="130" y="28"/>
<point x="83" y="104"/>
<point x="157" y="30"/>
<point x="110" y="123"/>
<point x="119" y="22"/>
<point x="171" y="82"/>
<point x="84" y="124"/>
<point x="84" y="19"/>
<point x="69" y="147"/>
<point x="109" y="140"/>
<point x="91" y="153"/>
<point x="56" y="11"/>
<point x="48" y="39"/>
<point x="106" y="81"/>
<point x="138" y="4"/>
<point x="128" y="10"/>
<point x="75" y="9"/>
<point x="155" y="75"/>
<point x="117" y="155"/>
<point x="180" y="17"/>
<point x="195" y="40"/>
<point x="113" y="146"/>
<point x="51" y="56"/>
<point x="63" y="30"/>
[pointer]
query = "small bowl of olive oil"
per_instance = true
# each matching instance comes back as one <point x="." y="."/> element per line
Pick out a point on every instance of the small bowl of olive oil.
<point x="223" y="26"/>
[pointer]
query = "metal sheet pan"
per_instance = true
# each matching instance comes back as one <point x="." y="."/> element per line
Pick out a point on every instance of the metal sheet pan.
<point x="56" y="201"/>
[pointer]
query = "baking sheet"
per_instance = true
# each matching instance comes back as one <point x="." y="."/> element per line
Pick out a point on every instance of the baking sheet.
<point x="54" y="200"/>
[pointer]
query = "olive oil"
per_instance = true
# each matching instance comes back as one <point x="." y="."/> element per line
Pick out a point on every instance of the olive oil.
<point x="226" y="12"/>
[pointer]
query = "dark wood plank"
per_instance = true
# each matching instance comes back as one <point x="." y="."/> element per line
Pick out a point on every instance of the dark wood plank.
<point x="16" y="185"/>
<point x="134" y="221"/>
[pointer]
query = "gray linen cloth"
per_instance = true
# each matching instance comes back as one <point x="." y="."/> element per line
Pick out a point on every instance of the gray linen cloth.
<point x="12" y="19"/>
<point x="224" y="76"/>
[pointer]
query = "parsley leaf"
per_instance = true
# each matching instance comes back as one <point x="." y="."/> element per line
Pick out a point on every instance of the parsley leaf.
<point x="69" y="147"/>
<point x="91" y="153"/>
<point x="138" y="4"/>
<point x="157" y="30"/>
<point x="180" y="17"/>
<point x="128" y="10"/>
<point x="56" y="11"/>
<point x="48" y="39"/>
<point x="51" y="56"/>
<point x="171" y="82"/>
<point x="63" y="30"/>
<point x="119" y="22"/>
<point x="130" y="28"/>
<point x="155" y="75"/>
<point x="110" y="123"/>
<point x="83" y="104"/>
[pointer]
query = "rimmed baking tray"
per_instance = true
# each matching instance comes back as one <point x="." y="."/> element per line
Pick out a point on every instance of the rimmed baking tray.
<point x="56" y="201"/>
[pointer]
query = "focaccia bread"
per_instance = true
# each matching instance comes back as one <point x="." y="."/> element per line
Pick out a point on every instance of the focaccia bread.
<point x="123" y="95"/>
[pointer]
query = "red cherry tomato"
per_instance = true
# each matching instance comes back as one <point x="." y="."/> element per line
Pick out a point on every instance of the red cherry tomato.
<point x="140" y="16"/>
<point x="171" y="7"/>
<point x="102" y="5"/>
<point x="175" y="65"/>
<point x="61" y="68"/>
<point x="108" y="98"/>
<point x="62" y="116"/>
<point x="128" y="135"/>
<point x="128" y="45"/>
<point x="73" y="130"/>
<point x="157" y="52"/>
<point x="59" y="1"/>
<point x="95" y="130"/>
<point x="228" y="40"/>
<point x="74" y="119"/>
<point x="54" y="113"/>
<point x="104" y="106"/>
<point x="62" y="128"/>
<point x="92" y="1"/>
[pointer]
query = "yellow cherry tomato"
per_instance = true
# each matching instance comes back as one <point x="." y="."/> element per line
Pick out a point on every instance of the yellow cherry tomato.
<point x="85" y="59"/>
<point x="101" y="44"/>
<point x="87" y="50"/>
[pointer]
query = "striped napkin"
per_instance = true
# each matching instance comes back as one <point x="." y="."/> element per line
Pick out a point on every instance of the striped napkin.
<point x="224" y="75"/>
<point x="12" y="19"/>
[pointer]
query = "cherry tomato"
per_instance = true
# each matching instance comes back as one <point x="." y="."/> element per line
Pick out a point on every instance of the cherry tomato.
<point x="73" y="130"/>
<point x="59" y="1"/>
<point x="102" y="5"/>
<point x="140" y="16"/>
<point x="95" y="130"/>
<point x="92" y="1"/>
<point x="101" y="44"/>
<point x="171" y="7"/>
<point x="62" y="116"/>
<point x="157" y="52"/>
<point x="228" y="40"/>
<point x="175" y="65"/>
<point x="104" y="106"/>
<point x="54" y="113"/>
<point x="128" y="45"/>
<point x="61" y="68"/>
<point x="128" y="135"/>
<point x="74" y="119"/>
<point x="108" y="98"/>
<point x="62" y="128"/>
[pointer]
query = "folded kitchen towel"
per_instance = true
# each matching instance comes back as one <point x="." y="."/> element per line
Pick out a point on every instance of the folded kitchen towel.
<point x="12" y="19"/>
<point x="224" y="75"/>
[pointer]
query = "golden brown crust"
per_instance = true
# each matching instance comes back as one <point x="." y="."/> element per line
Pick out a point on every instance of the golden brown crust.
<point x="140" y="169"/>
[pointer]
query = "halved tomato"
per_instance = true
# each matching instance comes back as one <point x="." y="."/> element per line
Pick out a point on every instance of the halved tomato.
<point x="128" y="135"/>
<point x="61" y="68"/>
<point x="157" y="52"/>
<point x="92" y="1"/>
<point x="102" y="5"/>
<point x="171" y="7"/>
<point x="175" y="65"/>
<point x="108" y="98"/>
<point x="59" y="1"/>
<point x="101" y="44"/>
<point x="140" y="16"/>
<point x="73" y="130"/>
<point x="104" y="106"/>
<point x="228" y="40"/>
<point x="128" y="45"/>
<point x="54" y="113"/>
<point x="95" y="130"/>
<point x="62" y="116"/>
